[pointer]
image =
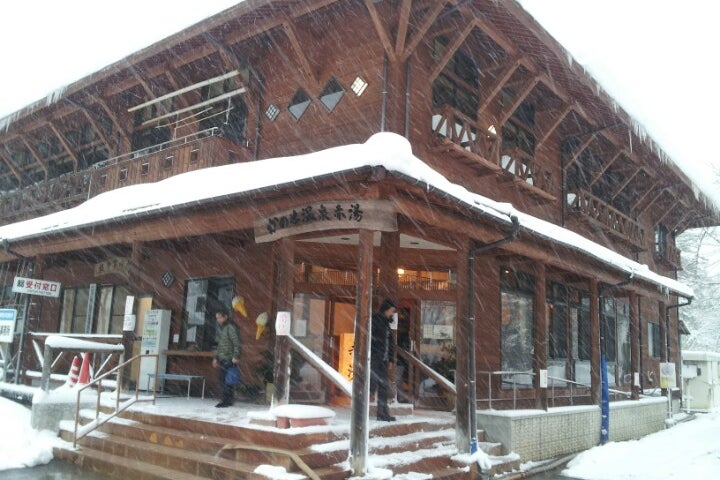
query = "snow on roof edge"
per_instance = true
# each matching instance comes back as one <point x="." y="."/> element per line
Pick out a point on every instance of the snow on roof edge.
<point x="385" y="149"/>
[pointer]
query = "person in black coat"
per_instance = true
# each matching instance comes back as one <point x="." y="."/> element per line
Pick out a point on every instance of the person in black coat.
<point x="382" y="352"/>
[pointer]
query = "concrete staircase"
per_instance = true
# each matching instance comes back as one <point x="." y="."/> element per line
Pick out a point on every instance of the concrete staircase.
<point x="152" y="447"/>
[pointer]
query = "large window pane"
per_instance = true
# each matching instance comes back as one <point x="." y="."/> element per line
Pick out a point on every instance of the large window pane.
<point x="517" y="337"/>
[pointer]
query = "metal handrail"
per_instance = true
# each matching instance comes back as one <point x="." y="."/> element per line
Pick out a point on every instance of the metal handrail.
<point x="504" y="372"/>
<point x="439" y="378"/>
<point x="119" y="408"/>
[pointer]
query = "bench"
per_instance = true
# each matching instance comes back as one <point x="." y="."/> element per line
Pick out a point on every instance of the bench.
<point x="178" y="376"/>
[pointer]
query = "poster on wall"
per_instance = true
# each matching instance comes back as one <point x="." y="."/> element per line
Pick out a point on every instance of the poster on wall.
<point x="7" y="324"/>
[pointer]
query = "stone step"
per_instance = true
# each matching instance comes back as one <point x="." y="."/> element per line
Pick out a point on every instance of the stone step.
<point x="491" y="448"/>
<point x="173" y="458"/>
<point x="118" y="467"/>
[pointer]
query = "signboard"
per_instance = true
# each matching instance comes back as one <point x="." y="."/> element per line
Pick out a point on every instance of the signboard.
<point x="378" y="215"/>
<point x="394" y="323"/>
<point x="129" y="322"/>
<point x="7" y="324"/>
<point x="282" y="324"/>
<point x="31" y="286"/>
<point x="113" y="265"/>
<point x="543" y="380"/>
<point x="667" y="375"/>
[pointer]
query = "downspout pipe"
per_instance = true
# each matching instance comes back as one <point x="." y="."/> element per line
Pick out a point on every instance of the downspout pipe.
<point x="667" y="325"/>
<point x="472" y="374"/>
<point x="383" y="109"/>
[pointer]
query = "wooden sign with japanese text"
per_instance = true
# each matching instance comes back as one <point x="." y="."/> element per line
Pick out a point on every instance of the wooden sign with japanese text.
<point x="377" y="215"/>
<point x="31" y="286"/>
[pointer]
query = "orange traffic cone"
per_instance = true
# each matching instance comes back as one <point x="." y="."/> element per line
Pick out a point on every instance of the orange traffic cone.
<point x="73" y="373"/>
<point x="84" y="378"/>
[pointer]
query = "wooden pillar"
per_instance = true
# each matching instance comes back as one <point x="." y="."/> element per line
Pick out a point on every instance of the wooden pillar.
<point x="389" y="288"/>
<point x="359" y="431"/>
<point x="284" y="281"/>
<point x="134" y="288"/>
<point x="634" y="346"/>
<point x="541" y="335"/>
<point x="462" y="334"/>
<point x="395" y="104"/>
<point x="595" y="387"/>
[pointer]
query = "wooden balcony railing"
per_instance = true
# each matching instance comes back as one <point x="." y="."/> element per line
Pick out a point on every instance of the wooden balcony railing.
<point x="602" y="214"/>
<point x="479" y="148"/>
<point x="150" y="165"/>
<point x="522" y="168"/>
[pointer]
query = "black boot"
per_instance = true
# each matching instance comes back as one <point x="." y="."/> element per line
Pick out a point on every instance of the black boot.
<point x="383" y="414"/>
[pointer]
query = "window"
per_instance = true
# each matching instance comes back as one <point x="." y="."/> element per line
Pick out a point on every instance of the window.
<point x="227" y="116"/>
<point x="516" y="327"/>
<point x="654" y="343"/>
<point x="457" y="85"/>
<point x="203" y="297"/>
<point x="75" y="311"/>
<point x="80" y="315"/>
<point x="111" y="309"/>
<point x="331" y="94"/>
<point x="149" y="135"/>
<point x="557" y="340"/>
<point x="299" y="103"/>
<point x="661" y="238"/>
<point x="580" y="316"/>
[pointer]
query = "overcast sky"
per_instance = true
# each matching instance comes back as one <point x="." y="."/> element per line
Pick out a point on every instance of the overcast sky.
<point x="658" y="58"/>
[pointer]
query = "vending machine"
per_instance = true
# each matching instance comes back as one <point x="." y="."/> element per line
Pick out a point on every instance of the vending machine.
<point x="155" y="339"/>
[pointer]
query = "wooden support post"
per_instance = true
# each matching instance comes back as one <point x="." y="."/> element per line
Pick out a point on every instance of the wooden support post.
<point x="462" y="334"/>
<point x="634" y="346"/>
<point x="359" y="431"/>
<point x="285" y="276"/>
<point x="594" y="342"/>
<point x="541" y="336"/>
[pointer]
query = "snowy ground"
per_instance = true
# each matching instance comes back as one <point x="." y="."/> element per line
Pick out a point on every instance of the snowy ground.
<point x="689" y="450"/>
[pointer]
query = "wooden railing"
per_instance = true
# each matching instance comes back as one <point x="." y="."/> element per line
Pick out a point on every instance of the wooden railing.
<point x="461" y="134"/>
<point x="461" y="130"/>
<point x="181" y="155"/>
<point x="522" y="167"/>
<point x="611" y="220"/>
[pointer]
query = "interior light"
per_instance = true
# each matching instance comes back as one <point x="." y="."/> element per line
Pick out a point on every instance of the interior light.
<point x="358" y="86"/>
<point x="401" y="271"/>
<point x="272" y="112"/>
<point x="492" y="129"/>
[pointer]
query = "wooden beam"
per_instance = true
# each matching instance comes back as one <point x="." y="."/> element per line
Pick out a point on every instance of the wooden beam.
<point x="422" y="30"/>
<point x="581" y="149"/>
<point x="146" y="86"/>
<point x="98" y="130"/>
<point x="654" y="199"/>
<point x="605" y="167"/>
<point x="681" y="219"/>
<point x="112" y="115"/>
<point x="15" y="171"/>
<point x="300" y="55"/>
<point x="403" y="20"/>
<point x="36" y="155"/>
<point x="669" y="211"/>
<point x="568" y="108"/>
<point x="529" y="87"/>
<point x="65" y="145"/>
<point x="642" y="198"/>
<point x="510" y="66"/>
<point x="380" y="29"/>
<point x="624" y="184"/>
<point x="457" y="43"/>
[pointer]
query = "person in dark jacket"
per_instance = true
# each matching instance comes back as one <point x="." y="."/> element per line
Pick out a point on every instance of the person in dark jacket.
<point x="226" y="355"/>
<point x="382" y="351"/>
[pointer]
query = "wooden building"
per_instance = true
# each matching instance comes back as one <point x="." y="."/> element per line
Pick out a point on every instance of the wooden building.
<point x="567" y="252"/>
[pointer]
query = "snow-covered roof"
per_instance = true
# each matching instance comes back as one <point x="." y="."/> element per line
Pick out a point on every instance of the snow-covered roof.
<point x="388" y="150"/>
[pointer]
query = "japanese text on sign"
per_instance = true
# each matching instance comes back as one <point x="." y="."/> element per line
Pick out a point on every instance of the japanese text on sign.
<point x="7" y="324"/>
<point x="352" y="212"/>
<point x="370" y="214"/>
<point x="30" y="286"/>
